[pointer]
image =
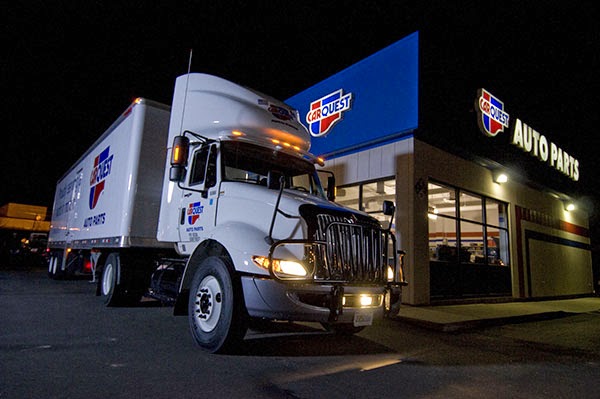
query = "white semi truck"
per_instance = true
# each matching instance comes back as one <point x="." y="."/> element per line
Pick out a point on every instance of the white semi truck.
<point x="215" y="206"/>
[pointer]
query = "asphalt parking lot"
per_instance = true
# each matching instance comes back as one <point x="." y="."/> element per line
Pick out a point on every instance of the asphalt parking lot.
<point x="58" y="341"/>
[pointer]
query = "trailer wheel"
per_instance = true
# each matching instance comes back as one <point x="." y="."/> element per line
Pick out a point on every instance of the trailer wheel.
<point x="216" y="310"/>
<point x="54" y="264"/>
<point x="114" y="284"/>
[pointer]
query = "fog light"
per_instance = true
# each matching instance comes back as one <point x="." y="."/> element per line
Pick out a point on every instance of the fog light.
<point x="362" y="300"/>
<point x="366" y="300"/>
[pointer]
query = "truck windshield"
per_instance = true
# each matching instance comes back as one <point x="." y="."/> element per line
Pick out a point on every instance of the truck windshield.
<point x="250" y="163"/>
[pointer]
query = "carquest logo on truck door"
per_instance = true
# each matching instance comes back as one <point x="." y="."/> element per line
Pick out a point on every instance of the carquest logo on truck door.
<point x="193" y="212"/>
<point x="101" y="170"/>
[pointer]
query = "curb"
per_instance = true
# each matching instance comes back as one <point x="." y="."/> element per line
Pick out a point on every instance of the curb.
<point x="466" y="325"/>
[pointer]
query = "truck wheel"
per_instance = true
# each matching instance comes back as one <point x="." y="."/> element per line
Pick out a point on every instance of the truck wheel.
<point x="216" y="311"/>
<point x="54" y="264"/>
<point x="113" y="284"/>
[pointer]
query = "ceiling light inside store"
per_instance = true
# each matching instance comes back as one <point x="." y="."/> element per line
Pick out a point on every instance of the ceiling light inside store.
<point x="432" y="213"/>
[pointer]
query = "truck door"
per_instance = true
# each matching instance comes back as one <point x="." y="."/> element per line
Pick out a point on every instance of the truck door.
<point x="199" y="201"/>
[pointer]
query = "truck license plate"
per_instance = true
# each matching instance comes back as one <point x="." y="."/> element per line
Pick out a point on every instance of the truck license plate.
<point x="363" y="318"/>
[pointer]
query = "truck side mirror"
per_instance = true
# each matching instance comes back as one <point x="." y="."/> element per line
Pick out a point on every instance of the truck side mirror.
<point x="177" y="174"/>
<point x="389" y="208"/>
<point x="331" y="188"/>
<point x="179" y="156"/>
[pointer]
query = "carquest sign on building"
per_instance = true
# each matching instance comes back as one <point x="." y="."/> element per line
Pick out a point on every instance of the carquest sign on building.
<point x="473" y="225"/>
<point x="347" y="111"/>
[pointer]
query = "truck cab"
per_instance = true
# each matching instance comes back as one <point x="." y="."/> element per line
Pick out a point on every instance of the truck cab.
<point x="243" y="204"/>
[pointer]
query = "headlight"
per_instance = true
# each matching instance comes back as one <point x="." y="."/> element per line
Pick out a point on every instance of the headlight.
<point x="280" y="266"/>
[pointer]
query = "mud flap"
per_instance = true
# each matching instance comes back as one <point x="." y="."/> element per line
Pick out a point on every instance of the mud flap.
<point x="393" y="299"/>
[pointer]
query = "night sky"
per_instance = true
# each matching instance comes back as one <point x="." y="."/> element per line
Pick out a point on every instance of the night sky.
<point x="68" y="71"/>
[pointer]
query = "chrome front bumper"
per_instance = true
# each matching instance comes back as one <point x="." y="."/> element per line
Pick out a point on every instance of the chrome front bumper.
<point x="325" y="303"/>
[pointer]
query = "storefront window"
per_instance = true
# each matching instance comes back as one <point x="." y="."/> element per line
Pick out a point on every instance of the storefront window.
<point x="497" y="246"/>
<point x="442" y="200"/>
<point x="442" y="223"/>
<point x="471" y="207"/>
<point x="495" y="213"/>
<point x="472" y="231"/>
<point x="497" y="232"/>
<point x="348" y="196"/>
<point x="442" y="239"/>
<point x="472" y="248"/>
<point x="369" y="197"/>
<point x="373" y="195"/>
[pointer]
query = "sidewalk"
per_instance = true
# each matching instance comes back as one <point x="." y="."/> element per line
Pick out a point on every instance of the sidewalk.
<point x="467" y="316"/>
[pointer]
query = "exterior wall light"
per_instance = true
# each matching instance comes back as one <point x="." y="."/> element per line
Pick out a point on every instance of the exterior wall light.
<point x="500" y="177"/>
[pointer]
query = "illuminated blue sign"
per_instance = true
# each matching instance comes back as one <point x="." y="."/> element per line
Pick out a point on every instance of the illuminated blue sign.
<point x="384" y="102"/>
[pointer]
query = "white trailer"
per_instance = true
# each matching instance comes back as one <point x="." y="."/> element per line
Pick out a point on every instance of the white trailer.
<point x="110" y="197"/>
<point x="217" y="208"/>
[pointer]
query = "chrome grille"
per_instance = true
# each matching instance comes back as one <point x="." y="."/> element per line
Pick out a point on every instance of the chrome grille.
<point x="354" y="251"/>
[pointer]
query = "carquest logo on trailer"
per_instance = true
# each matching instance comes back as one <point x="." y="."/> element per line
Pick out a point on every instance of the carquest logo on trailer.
<point x="326" y="112"/>
<point x="101" y="170"/>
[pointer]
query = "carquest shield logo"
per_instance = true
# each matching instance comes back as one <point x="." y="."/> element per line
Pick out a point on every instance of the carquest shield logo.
<point x="280" y="112"/>
<point x="194" y="211"/>
<point x="101" y="170"/>
<point x="325" y="112"/>
<point x="492" y="117"/>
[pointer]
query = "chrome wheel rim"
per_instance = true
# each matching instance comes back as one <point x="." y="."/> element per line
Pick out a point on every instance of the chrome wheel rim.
<point x="107" y="279"/>
<point x="208" y="303"/>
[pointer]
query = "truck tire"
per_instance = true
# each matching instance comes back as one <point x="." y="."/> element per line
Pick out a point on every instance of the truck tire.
<point x="54" y="265"/>
<point x="114" y="284"/>
<point x="216" y="310"/>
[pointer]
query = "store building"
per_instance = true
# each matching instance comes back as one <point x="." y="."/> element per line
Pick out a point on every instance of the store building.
<point x="481" y="196"/>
